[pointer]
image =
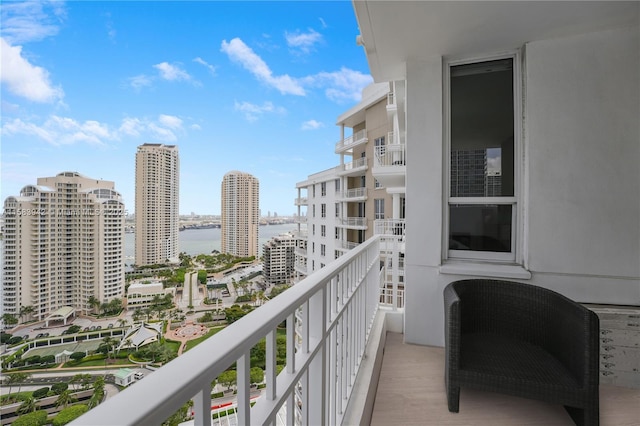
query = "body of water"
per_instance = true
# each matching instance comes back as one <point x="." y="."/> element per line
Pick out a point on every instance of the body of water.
<point x="204" y="241"/>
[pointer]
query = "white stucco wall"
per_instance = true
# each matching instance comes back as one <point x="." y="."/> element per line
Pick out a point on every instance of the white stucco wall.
<point x="581" y="175"/>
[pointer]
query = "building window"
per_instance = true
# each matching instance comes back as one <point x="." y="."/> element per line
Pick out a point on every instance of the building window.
<point x="323" y="210"/>
<point x="337" y="233"/>
<point x="377" y="183"/>
<point x="337" y="185"/>
<point x="323" y="189"/>
<point x="323" y="250"/>
<point x="313" y="211"/>
<point x="313" y="229"/>
<point x="337" y="206"/>
<point x="378" y="206"/>
<point x="314" y="190"/>
<point x="323" y="230"/>
<point x="482" y="148"/>
<point x="379" y="147"/>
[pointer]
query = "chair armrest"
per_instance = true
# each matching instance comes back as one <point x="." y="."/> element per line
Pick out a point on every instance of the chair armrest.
<point x="452" y="328"/>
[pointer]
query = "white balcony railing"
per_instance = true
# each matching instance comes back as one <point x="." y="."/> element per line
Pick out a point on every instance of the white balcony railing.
<point x="358" y="164"/>
<point x="349" y="142"/>
<point x="352" y="222"/>
<point x="301" y="201"/>
<point x="390" y="155"/>
<point x="389" y="227"/>
<point x="338" y="305"/>
<point x="354" y="193"/>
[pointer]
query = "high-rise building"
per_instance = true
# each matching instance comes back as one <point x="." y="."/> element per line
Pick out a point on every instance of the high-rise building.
<point x="240" y="214"/>
<point x="157" y="209"/>
<point x="63" y="245"/>
<point x="279" y="258"/>
<point x="340" y="208"/>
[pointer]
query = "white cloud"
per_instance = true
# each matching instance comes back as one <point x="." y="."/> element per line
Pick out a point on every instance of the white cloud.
<point x="24" y="79"/>
<point x="252" y="111"/>
<point x="211" y="68"/>
<point x="171" y="72"/>
<point x="24" y="22"/>
<point x="341" y="86"/>
<point x="311" y="125"/>
<point x="62" y="131"/>
<point x="131" y="126"/>
<point x="140" y="81"/>
<point x="303" y="42"/>
<point x="170" y="121"/>
<point x="195" y="127"/>
<point x="494" y="164"/>
<point x="57" y="130"/>
<point x="162" y="133"/>
<point x="239" y="52"/>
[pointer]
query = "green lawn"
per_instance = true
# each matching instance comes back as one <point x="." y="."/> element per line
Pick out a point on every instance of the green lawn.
<point x="192" y="343"/>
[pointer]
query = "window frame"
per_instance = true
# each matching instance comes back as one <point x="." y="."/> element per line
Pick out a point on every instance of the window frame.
<point x="517" y="233"/>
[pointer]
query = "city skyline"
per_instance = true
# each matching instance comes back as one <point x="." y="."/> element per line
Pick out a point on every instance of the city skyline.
<point x="85" y="83"/>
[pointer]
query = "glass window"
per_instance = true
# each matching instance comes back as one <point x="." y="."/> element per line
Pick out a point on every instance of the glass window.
<point x="378" y="205"/>
<point x="482" y="203"/>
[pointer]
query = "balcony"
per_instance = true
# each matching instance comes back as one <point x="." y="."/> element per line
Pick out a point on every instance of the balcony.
<point x="353" y="194"/>
<point x="352" y="222"/>
<point x="347" y="144"/>
<point x="349" y="331"/>
<point x="411" y="391"/>
<point x="389" y="164"/>
<point x="301" y="201"/>
<point x="337" y="311"/>
<point x="354" y="168"/>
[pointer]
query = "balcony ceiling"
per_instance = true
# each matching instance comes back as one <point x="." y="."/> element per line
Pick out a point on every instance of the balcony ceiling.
<point x="393" y="31"/>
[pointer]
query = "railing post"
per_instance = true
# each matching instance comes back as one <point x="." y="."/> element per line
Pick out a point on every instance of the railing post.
<point x="243" y="381"/>
<point x="317" y="376"/>
<point x="202" y="407"/>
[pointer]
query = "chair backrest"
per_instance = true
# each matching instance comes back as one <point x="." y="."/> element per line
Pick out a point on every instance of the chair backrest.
<point x="534" y="314"/>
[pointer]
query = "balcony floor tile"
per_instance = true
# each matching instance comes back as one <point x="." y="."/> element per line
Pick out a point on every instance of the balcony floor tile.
<point x="411" y="392"/>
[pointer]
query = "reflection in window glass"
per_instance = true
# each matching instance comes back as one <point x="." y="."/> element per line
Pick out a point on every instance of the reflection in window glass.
<point x="480" y="227"/>
<point x="482" y="130"/>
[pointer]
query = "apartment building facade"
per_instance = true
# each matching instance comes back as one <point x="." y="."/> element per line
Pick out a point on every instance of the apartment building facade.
<point x="240" y="221"/>
<point x="157" y="204"/>
<point x="63" y="244"/>
<point x="278" y="259"/>
<point x="363" y="195"/>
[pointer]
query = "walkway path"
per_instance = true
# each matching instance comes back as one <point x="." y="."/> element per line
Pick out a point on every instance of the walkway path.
<point x="184" y="333"/>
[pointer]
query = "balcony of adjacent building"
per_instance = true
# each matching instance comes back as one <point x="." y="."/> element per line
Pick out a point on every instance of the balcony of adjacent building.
<point x="354" y="168"/>
<point x="389" y="164"/>
<point x="300" y="219"/>
<point x="352" y="195"/>
<point x="301" y="201"/>
<point x="346" y="145"/>
<point x="392" y="233"/>
<point x="359" y="223"/>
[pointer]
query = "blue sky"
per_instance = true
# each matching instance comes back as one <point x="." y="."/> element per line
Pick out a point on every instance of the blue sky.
<point x="249" y="86"/>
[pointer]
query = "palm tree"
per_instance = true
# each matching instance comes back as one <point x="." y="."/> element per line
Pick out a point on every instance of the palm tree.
<point x="109" y="342"/>
<point x="65" y="398"/>
<point x="96" y="398"/>
<point x="28" y="406"/>
<point x="26" y="311"/>
<point x="86" y="381"/>
<point x="21" y="378"/>
<point x="75" y="380"/>
<point x="122" y="323"/>
<point x="137" y="313"/>
<point x="93" y="302"/>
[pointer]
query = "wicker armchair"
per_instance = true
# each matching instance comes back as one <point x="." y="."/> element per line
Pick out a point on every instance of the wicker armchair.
<point x="521" y="340"/>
